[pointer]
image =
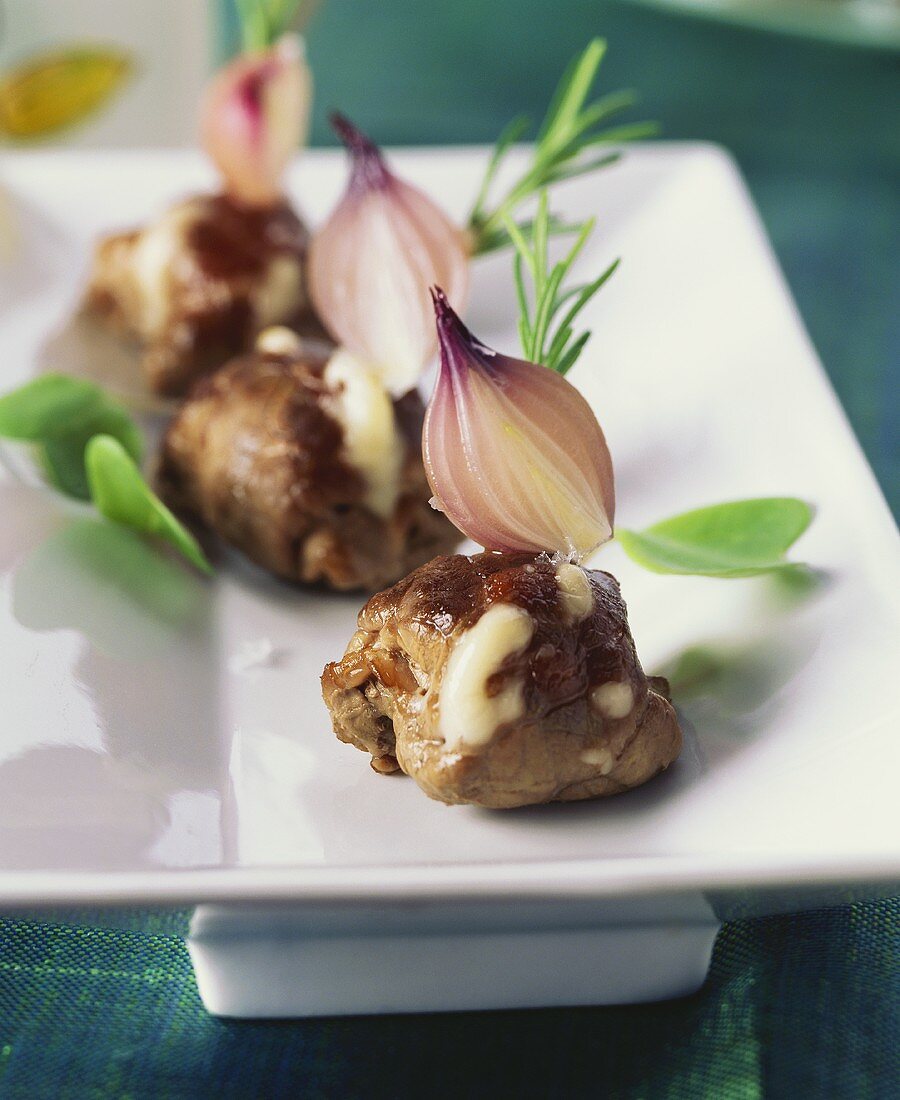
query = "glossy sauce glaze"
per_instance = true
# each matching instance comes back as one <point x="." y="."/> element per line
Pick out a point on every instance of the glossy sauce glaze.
<point x="198" y="284"/>
<point x="502" y="680"/>
<point x="228" y="239"/>
<point x="562" y="660"/>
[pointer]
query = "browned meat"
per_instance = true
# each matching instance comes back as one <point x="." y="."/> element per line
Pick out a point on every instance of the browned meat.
<point x="196" y="286"/>
<point x="502" y="680"/>
<point x="258" y="453"/>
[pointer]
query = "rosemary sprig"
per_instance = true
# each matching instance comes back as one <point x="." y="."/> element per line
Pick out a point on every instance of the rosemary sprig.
<point x="545" y="336"/>
<point x="264" y="21"/>
<point x="569" y="130"/>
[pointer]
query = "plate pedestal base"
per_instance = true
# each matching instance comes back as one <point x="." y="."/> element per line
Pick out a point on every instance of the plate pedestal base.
<point x="250" y="966"/>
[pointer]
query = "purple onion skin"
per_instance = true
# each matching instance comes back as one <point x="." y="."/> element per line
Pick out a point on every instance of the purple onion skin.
<point x="368" y="167"/>
<point x="513" y="453"/>
<point x="372" y="260"/>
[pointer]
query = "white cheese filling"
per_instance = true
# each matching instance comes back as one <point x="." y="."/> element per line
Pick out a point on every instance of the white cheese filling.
<point x="279" y="340"/>
<point x="613" y="700"/>
<point x="365" y="411"/>
<point x="280" y="293"/>
<point x="276" y="297"/>
<point x="601" y="759"/>
<point x="154" y="255"/>
<point x="469" y="716"/>
<point x="575" y="591"/>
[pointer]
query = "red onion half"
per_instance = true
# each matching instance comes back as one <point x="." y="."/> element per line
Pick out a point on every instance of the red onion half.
<point x="371" y="263"/>
<point x="513" y="452"/>
<point x="255" y="113"/>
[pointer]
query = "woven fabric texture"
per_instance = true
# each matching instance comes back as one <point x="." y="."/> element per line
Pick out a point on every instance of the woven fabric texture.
<point x="804" y="1006"/>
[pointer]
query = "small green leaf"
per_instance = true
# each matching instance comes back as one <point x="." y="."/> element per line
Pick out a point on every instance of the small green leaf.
<point x="739" y="539"/>
<point x="62" y="461"/>
<point x="63" y="457"/>
<point x="47" y="408"/>
<point x="513" y="131"/>
<point x="121" y="494"/>
<point x="571" y="92"/>
<point x="61" y="414"/>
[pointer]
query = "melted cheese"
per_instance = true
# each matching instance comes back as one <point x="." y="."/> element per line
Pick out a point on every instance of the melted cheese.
<point x="613" y="699"/>
<point x="279" y="340"/>
<point x="575" y="592"/>
<point x="372" y="445"/>
<point x="152" y="259"/>
<point x="601" y="759"/>
<point x="280" y="293"/>
<point x="277" y="296"/>
<point x="469" y="716"/>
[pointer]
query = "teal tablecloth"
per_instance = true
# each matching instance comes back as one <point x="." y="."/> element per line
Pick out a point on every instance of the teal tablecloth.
<point x="804" y="1007"/>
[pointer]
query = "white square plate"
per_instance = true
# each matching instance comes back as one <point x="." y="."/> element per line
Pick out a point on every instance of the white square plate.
<point x="142" y="761"/>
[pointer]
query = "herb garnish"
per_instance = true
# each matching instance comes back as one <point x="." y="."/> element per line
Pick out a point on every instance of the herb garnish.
<point x="742" y="538"/>
<point x="121" y="494"/>
<point x="541" y="342"/>
<point x="89" y="447"/>
<point x="263" y="22"/>
<point x="59" y="415"/>
<point x="569" y="129"/>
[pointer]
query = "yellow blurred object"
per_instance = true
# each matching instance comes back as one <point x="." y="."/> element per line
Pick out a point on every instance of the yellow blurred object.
<point x="55" y="90"/>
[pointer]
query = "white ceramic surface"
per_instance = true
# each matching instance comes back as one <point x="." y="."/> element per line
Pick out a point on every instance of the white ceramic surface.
<point x="443" y="957"/>
<point x="143" y="759"/>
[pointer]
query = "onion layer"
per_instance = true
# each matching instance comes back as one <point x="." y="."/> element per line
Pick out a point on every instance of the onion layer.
<point x="372" y="262"/>
<point x="513" y="452"/>
<point x="255" y="113"/>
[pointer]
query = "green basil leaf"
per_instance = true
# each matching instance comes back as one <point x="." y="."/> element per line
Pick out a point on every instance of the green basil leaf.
<point x="62" y="460"/>
<point x="121" y="494"/>
<point x="61" y="414"/>
<point x="48" y="407"/>
<point x="739" y="539"/>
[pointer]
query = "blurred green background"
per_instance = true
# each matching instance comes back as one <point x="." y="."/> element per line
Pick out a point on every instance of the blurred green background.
<point x="814" y="125"/>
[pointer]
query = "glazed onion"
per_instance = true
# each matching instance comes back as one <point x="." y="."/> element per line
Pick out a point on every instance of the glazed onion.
<point x="371" y="263"/>
<point x="255" y="113"/>
<point x="513" y="452"/>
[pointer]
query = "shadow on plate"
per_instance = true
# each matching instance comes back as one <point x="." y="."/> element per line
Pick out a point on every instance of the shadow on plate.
<point x="731" y="695"/>
<point x="726" y="693"/>
<point x="105" y="581"/>
<point x="84" y="348"/>
<point x="149" y="670"/>
<point x="66" y="807"/>
<point x="277" y="592"/>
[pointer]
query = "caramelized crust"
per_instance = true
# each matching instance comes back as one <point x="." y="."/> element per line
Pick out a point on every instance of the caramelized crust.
<point x="590" y="722"/>
<point x="255" y="454"/>
<point x="195" y="287"/>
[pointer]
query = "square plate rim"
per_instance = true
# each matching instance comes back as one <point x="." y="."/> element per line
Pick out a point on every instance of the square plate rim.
<point x="600" y="876"/>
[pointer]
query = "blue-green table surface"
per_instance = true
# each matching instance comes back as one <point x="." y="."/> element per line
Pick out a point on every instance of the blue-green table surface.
<point x="803" y="1006"/>
<point x="815" y="128"/>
